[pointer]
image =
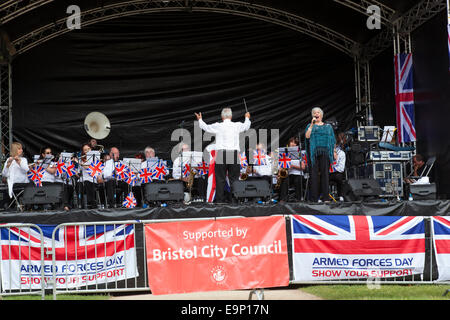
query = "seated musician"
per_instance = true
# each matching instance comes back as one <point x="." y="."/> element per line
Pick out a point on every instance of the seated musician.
<point x="15" y="169"/>
<point x="199" y="184"/>
<point x="88" y="183"/>
<point x="417" y="170"/>
<point x="295" y="172"/>
<point x="337" y="171"/>
<point x="46" y="161"/>
<point x="115" y="189"/>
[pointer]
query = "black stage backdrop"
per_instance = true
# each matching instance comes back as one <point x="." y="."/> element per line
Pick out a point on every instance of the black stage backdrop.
<point x="149" y="73"/>
<point x="431" y="94"/>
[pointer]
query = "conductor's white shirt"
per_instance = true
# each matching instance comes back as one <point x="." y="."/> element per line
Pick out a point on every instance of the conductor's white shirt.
<point x="227" y="132"/>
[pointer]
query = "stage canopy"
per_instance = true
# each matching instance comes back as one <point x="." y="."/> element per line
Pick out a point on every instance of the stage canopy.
<point x="149" y="65"/>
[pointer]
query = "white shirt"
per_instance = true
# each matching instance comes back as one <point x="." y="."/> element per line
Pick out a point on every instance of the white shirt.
<point x="294" y="171"/>
<point x="340" y="161"/>
<point x="47" y="176"/>
<point x="227" y="132"/>
<point x="16" y="173"/>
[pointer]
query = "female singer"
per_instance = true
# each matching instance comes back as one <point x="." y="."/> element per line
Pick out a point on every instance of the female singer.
<point x="321" y="154"/>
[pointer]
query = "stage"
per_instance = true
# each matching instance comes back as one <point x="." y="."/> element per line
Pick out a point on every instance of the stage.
<point x="201" y="210"/>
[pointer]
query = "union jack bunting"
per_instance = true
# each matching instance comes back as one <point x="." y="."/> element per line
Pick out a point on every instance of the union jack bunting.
<point x="259" y="157"/>
<point x="95" y="168"/>
<point x="202" y="168"/>
<point x="35" y="174"/>
<point x="243" y="160"/>
<point x="145" y="175"/>
<point x="159" y="171"/>
<point x="404" y="97"/>
<point x="60" y="168"/>
<point x="284" y="161"/>
<point x="130" y="201"/>
<point x="186" y="170"/>
<point x="122" y="171"/>
<point x="70" y="169"/>
<point x="131" y="179"/>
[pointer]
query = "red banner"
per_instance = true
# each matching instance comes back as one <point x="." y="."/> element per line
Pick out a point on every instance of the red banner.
<point x="212" y="255"/>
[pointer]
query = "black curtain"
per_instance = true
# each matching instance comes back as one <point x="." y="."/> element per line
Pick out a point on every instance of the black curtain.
<point x="431" y="95"/>
<point x="149" y="73"/>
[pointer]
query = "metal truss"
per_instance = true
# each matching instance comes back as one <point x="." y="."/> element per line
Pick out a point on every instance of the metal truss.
<point x="14" y="8"/>
<point x="240" y="8"/>
<point x="411" y="20"/>
<point x="5" y="109"/>
<point x="386" y="13"/>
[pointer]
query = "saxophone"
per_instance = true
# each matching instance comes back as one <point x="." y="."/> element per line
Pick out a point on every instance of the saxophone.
<point x="191" y="177"/>
<point x="282" y="174"/>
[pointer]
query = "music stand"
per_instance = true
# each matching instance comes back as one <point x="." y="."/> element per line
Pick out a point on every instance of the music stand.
<point x="91" y="156"/>
<point x="66" y="157"/>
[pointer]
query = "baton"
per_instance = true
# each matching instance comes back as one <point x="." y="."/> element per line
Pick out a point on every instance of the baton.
<point x="245" y="104"/>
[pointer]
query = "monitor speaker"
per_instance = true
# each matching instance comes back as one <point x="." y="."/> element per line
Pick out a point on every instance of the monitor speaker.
<point x="362" y="188"/>
<point x="164" y="191"/>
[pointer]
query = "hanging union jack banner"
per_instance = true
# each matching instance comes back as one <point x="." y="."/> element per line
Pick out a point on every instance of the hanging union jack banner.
<point x="95" y="168"/>
<point x="130" y="201"/>
<point x="61" y="168"/>
<point x="159" y="171"/>
<point x="84" y="255"/>
<point x="284" y="161"/>
<point x="35" y="174"/>
<point x="404" y="97"/>
<point x="352" y="247"/>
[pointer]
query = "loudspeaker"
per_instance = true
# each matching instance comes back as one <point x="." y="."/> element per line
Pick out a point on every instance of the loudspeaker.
<point x="49" y="194"/>
<point x="4" y="197"/>
<point x="164" y="191"/>
<point x="423" y="191"/>
<point x="360" y="188"/>
<point x="252" y="188"/>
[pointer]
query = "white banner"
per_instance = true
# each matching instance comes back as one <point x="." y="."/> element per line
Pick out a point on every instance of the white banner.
<point x="354" y="247"/>
<point x="84" y="255"/>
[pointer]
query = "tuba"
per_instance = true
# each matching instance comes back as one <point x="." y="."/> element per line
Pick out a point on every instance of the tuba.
<point x="97" y="125"/>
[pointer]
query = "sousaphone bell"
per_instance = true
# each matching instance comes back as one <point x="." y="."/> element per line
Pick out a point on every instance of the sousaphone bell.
<point x="97" y="125"/>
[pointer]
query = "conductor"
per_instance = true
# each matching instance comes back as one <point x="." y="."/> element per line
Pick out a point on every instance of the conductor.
<point x="227" y="146"/>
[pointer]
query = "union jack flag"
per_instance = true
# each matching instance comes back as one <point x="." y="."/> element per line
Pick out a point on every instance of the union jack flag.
<point x="393" y="245"/>
<point x="145" y="175"/>
<point x="441" y="237"/>
<point x="243" y="160"/>
<point x="259" y="157"/>
<point x="122" y="171"/>
<point x="70" y="169"/>
<point x="404" y="97"/>
<point x="202" y="168"/>
<point x="131" y="179"/>
<point x="95" y="168"/>
<point x="73" y="246"/>
<point x="130" y="201"/>
<point x="60" y="168"/>
<point x="159" y="171"/>
<point x="284" y="161"/>
<point x="333" y="167"/>
<point x="35" y="174"/>
<point x="186" y="170"/>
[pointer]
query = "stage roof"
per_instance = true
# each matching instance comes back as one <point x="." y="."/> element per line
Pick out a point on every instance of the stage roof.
<point x="38" y="19"/>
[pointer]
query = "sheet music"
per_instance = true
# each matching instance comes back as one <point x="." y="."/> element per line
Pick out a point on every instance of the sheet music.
<point x="388" y="133"/>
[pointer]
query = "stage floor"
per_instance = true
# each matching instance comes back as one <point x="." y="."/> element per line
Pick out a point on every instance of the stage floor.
<point x="201" y="210"/>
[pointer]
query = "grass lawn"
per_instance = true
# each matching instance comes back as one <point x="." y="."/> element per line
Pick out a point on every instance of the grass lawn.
<point x="382" y="292"/>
